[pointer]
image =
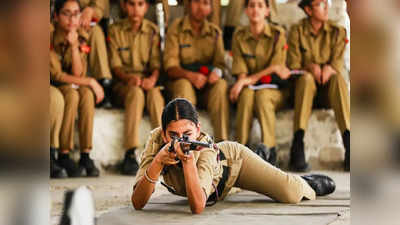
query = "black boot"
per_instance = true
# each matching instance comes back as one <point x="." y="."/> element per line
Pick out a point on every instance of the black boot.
<point x="322" y="185"/>
<point x="87" y="164"/>
<point x="268" y="154"/>
<point x="55" y="170"/>
<point x="69" y="165"/>
<point x="228" y="35"/>
<point x="107" y="86"/>
<point x="297" y="160"/>
<point x="129" y="165"/>
<point x="346" y="143"/>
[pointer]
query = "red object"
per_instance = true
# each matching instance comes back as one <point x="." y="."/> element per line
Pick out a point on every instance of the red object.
<point x="346" y="41"/>
<point x="95" y="20"/>
<point x="85" y="48"/>
<point x="286" y="47"/>
<point x="266" y="79"/>
<point x="108" y="39"/>
<point x="204" y="70"/>
<point x="51" y="47"/>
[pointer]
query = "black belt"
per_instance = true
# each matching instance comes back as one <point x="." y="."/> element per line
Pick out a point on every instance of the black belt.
<point x="221" y="185"/>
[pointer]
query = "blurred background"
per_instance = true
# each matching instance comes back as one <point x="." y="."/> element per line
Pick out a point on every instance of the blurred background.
<point x="375" y="98"/>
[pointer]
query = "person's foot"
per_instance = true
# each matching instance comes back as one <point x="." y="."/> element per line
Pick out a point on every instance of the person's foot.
<point x="107" y="86"/>
<point x="87" y="164"/>
<point x="268" y="154"/>
<point x="129" y="165"/>
<point x="346" y="143"/>
<point x="55" y="170"/>
<point x="78" y="208"/>
<point x="69" y="165"/>
<point x="297" y="160"/>
<point x="321" y="184"/>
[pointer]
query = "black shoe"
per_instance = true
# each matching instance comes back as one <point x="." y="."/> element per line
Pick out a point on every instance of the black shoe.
<point x="88" y="165"/>
<point x="107" y="87"/>
<point x="69" y="165"/>
<point x="297" y="160"/>
<point x="346" y="143"/>
<point x="322" y="185"/>
<point x="269" y="155"/>
<point x="78" y="208"/>
<point x="129" y="165"/>
<point x="55" y="170"/>
<point x="228" y="35"/>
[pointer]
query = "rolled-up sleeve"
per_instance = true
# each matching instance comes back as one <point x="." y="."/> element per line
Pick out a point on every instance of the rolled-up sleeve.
<point x="171" y="53"/>
<point x="56" y="72"/>
<point x="294" y="56"/>
<point x="280" y="53"/>
<point x="206" y="164"/>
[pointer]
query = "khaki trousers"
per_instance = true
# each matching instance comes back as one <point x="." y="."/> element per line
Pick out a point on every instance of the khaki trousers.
<point x="255" y="174"/>
<point x="334" y="94"/>
<point x="213" y="97"/>
<point x="133" y="99"/>
<point x="264" y="103"/>
<point x="56" y="116"/>
<point x="77" y="101"/>
<point x="98" y="60"/>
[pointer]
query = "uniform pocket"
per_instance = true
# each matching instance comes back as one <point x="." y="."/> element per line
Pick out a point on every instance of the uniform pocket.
<point x="125" y="54"/>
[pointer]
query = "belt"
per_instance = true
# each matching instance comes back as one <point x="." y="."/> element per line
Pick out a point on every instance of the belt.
<point x="214" y="197"/>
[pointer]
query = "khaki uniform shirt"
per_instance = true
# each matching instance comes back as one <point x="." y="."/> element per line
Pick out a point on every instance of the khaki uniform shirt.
<point x="182" y="47"/>
<point x="134" y="52"/>
<point x="209" y="170"/>
<point x="61" y="54"/>
<point x="327" y="47"/>
<point x="101" y="7"/>
<point x="251" y="55"/>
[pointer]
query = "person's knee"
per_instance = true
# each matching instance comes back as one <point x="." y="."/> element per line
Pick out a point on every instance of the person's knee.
<point x="221" y="86"/>
<point x="264" y="100"/>
<point x="71" y="97"/>
<point x="86" y="96"/>
<point x="306" y="79"/>
<point x="134" y="93"/>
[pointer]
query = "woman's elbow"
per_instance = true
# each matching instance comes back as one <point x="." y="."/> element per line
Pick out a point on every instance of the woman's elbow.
<point x="136" y="205"/>
<point x="197" y="209"/>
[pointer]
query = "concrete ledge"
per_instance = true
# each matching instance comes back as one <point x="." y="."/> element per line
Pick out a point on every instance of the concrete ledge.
<point x="323" y="140"/>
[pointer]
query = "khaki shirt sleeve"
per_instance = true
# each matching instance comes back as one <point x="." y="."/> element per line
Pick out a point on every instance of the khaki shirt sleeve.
<point x="155" y="63"/>
<point x="206" y="163"/>
<point x="219" y="56"/>
<point x="99" y="7"/>
<point x="294" y="56"/>
<point x="171" y="52"/>
<point x="146" y="159"/>
<point x="280" y="51"/>
<point x="56" y="72"/>
<point x="337" y="58"/>
<point x="115" y="59"/>
<point x="239" y="65"/>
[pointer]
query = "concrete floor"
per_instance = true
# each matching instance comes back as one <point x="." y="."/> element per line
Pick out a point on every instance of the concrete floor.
<point x="112" y="197"/>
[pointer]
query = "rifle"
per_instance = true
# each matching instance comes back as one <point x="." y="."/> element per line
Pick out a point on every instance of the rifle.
<point x="191" y="145"/>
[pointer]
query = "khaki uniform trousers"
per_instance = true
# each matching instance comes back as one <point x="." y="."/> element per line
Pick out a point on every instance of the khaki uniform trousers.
<point x="98" y="59"/>
<point x="133" y="99"/>
<point x="264" y="103"/>
<point x="212" y="97"/>
<point x="216" y="11"/>
<point x="56" y="116"/>
<point x="254" y="174"/>
<point x="334" y="94"/>
<point x="77" y="101"/>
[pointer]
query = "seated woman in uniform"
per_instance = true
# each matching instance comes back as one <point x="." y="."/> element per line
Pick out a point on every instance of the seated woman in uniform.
<point x="208" y="174"/>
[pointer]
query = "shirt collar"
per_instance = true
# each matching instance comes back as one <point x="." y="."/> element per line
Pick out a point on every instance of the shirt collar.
<point x="267" y="31"/>
<point x="144" y="28"/>
<point x="326" y="27"/>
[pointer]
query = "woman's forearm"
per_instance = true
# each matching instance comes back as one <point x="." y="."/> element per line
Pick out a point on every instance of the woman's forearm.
<point x="144" y="188"/>
<point x="77" y="65"/>
<point x="196" y="196"/>
<point x="254" y="78"/>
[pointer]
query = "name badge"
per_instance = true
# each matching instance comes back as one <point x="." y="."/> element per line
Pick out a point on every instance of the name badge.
<point x="123" y="49"/>
<point x="185" y="46"/>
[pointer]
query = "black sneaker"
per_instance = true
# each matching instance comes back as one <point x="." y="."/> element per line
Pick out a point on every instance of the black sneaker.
<point x="129" y="165"/>
<point x="69" y="165"/>
<point x="88" y="165"/>
<point x="269" y="155"/>
<point x="297" y="160"/>
<point x="321" y="184"/>
<point x="55" y="170"/>
<point x="346" y="143"/>
<point x="78" y="208"/>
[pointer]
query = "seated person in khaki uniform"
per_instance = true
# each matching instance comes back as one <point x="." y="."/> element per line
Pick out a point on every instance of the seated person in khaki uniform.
<point x="207" y="174"/>
<point x="94" y="19"/>
<point x="259" y="56"/>
<point x="194" y="60"/>
<point x="68" y="56"/>
<point x="317" y="46"/>
<point x="215" y="16"/>
<point x="135" y="61"/>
